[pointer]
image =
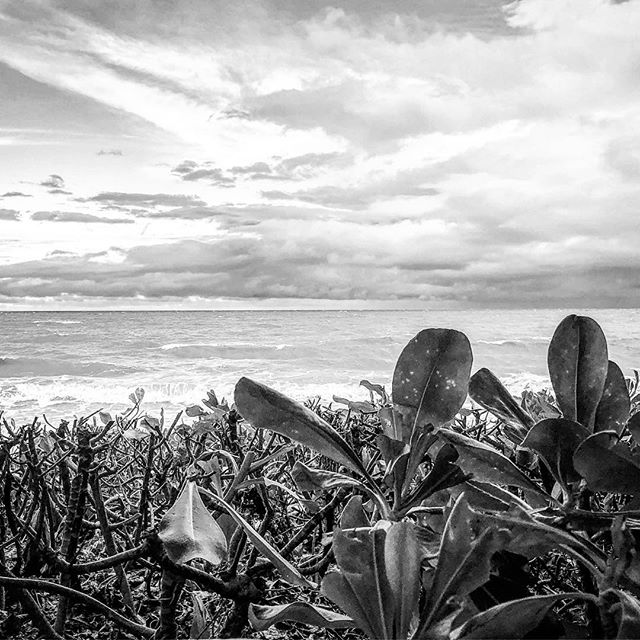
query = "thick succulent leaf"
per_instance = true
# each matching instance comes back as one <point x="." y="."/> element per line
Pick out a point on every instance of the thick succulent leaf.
<point x="626" y="612"/>
<point x="360" y="556"/>
<point x="266" y="408"/>
<point x="338" y="589"/>
<point x="608" y="464"/>
<point x="187" y="530"/>
<point x="200" y="618"/>
<point x="634" y="427"/>
<point x="578" y="364"/>
<point x="555" y="440"/>
<point x="431" y="378"/>
<point x="262" y="617"/>
<point x="491" y="394"/>
<point x="443" y="474"/>
<point x="375" y="388"/>
<point x="486" y="464"/>
<point x="529" y="537"/>
<point x="613" y="409"/>
<point x="487" y="496"/>
<point x="402" y="556"/>
<point x="353" y="515"/>
<point x="288" y="571"/>
<point x="310" y="479"/>
<point x="355" y="406"/>
<point x="513" y="619"/>
<point x="464" y="560"/>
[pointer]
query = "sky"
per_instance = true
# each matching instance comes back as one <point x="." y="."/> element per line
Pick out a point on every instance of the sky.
<point x="348" y="154"/>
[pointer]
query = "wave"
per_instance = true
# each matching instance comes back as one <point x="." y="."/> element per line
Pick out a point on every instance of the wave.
<point x="37" y="367"/>
<point x="57" y="322"/>
<point x="238" y="351"/>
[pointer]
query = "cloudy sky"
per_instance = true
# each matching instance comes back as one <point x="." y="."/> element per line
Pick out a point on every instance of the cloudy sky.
<point x="356" y="153"/>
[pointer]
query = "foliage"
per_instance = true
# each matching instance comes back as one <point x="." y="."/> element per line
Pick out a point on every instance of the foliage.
<point x="420" y="514"/>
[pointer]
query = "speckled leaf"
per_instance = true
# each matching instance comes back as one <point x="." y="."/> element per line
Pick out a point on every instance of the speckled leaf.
<point x="266" y="408"/>
<point x="613" y="409"/>
<point x="431" y="378"/>
<point x="578" y="364"/>
<point x="187" y="530"/>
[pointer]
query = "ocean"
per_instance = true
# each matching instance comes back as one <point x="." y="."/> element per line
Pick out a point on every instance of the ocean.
<point x="66" y="364"/>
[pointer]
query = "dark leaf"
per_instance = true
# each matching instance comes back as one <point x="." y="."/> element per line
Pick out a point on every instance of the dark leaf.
<point x="634" y="427"/>
<point x="194" y="411"/>
<point x="490" y="393"/>
<point x="309" y="479"/>
<point x="262" y="617"/>
<point x="626" y="612"/>
<point x="265" y="408"/>
<point x="487" y="464"/>
<point x="613" y="410"/>
<point x="353" y="515"/>
<point x="578" y="363"/>
<point x="431" y="378"/>
<point x="513" y="619"/>
<point x="555" y="440"/>
<point x="608" y="464"/>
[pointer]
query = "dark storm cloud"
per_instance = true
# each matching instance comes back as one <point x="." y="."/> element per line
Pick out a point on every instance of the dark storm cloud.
<point x="73" y="216"/>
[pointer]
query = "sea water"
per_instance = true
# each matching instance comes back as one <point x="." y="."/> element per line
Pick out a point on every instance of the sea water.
<point x="66" y="364"/>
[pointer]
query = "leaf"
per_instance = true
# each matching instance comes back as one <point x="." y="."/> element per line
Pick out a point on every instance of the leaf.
<point x="353" y="515"/>
<point x="431" y="378"/>
<point x="355" y="406"/>
<point x="513" y="619"/>
<point x="136" y="433"/>
<point x="530" y="537"/>
<point x="607" y="464"/>
<point x="262" y="617"/>
<point x="443" y="474"/>
<point x="578" y="364"/>
<point x="308" y="479"/>
<point x="487" y="464"/>
<point x="402" y="558"/>
<point x="555" y="440"/>
<point x="378" y="582"/>
<point x="288" y="571"/>
<point x="187" y="530"/>
<point x="199" y="621"/>
<point x="194" y="411"/>
<point x="464" y="561"/>
<point x="613" y="409"/>
<point x="361" y="588"/>
<point x="105" y="417"/>
<point x="634" y="427"/>
<point x="375" y="388"/>
<point x="266" y="408"/>
<point x="490" y="393"/>
<point x="626" y="612"/>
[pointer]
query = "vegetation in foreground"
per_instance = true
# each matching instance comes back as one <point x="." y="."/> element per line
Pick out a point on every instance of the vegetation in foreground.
<point x="409" y="516"/>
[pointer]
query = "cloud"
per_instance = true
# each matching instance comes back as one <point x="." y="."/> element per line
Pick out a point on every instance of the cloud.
<point x="71" y="216"/>
<point x="54" y="181"/>
<point x="109" y="152"/>
<point x="61" y="192"/>
<point x="120" y="199"/>
<point x="9" y="214"/>
<point x="15" y="194"/>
